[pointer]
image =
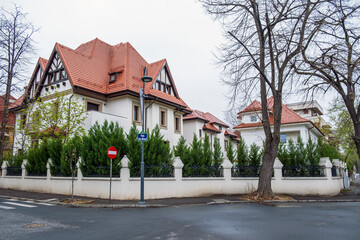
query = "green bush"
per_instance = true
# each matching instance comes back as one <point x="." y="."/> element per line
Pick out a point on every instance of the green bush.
<point x="134" y="150"/>
<point x="327" y="150"/>
<point x="37" y="159"/>
<point x="70" y="155"/>
<point x="95" y="161"/>
<point x="254" y="155"/>
<point x="55" y="148"/>
<point x="217" y="155"/>
<point x="242" y="153"/>
<point x="230" y="154"/>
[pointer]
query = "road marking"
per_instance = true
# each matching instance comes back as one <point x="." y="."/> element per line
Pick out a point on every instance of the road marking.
<point x="221" y="200"/>
<point x="51" y="199"/>
<point x="40" y="203"/>
<point x="20" y="204"/>
<point x="6" y="207"/>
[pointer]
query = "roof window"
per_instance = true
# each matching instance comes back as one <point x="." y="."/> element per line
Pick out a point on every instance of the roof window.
<point x="113" y="77"/>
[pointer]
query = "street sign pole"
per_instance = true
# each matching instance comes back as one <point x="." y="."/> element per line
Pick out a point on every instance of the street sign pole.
<point x="112" y="153"/>
<point x="110" y="179"/>
<point x="142" y="201"/>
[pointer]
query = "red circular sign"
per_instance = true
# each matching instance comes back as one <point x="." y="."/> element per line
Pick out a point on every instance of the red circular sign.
<point x="112" y="152"/>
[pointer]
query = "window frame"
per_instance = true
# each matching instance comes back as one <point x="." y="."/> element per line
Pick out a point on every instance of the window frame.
<point x="165" y="111"/>
<point x="253" y="118"/>
<point x="136" y="121"/>
<point x="282" y="138"/>
<point x="93" y="102"/>
<point x="177" y="117"/>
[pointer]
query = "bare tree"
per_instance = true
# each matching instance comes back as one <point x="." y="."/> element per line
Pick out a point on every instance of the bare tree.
<point x="263" y="37"/>
<point x="331" y="57"/>
<point x="16" y="47"/>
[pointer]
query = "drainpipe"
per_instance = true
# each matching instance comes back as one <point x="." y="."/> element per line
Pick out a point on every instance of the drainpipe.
<point x="69" y="116"/>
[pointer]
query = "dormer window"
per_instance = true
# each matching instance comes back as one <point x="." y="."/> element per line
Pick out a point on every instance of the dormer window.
<point x="163" y="82"/>
<point x="253" y="119"/>
<point x="113" y="77"/>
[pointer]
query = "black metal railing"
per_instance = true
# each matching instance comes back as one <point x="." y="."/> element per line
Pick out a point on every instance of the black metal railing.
<point x="245" y="171"/>
<point x="162" y="170"/>
<point x="203" y="171"/>
<point x="13" y="171"/>
<point x="333" y="171"/>
<point x="302" y="171"/>
<point x="100" y="171"/>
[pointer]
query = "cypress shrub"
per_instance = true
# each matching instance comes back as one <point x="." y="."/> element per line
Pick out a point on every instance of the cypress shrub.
<point x="301" y="153"/>
<point x="157" y="153"/>
<point x="283" y="155"/>
<point x="242" y="153"/>
<point x="95" y="161"/>
<point x="70" y="155"/>
<point x="327" y="150"/>
<point x="55" y="147"/>
<point x="218" y="155"/>
<point x="254" y="156"/>
<point x="194" y="156"/>
<point x="230" y="154"/>
<point x="37" y="159"/>
<point x="133" y="150"/>
<point x="313" y="156"/>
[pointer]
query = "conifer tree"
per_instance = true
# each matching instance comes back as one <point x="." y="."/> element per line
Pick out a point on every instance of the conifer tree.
<point x="230" y="152"/>
<point x="242" y="154"/>
<point x="70" y="155"/>
<point x="180" y="148"/>
<point x="134" y="151"/>
<point x="218" y="155"/>
<point x="37" y="159"/>
<point x="293" y="153"/>
<point x="313" y="155"/>
<point x="157" y="153"/>
<point x="95" y="145"/>
<point x="55" y="148"/>
<point x="194" y="157"/>
<point x="207" y="153"/>
<point x="301" y="152"/>
<point x="254" y="156"/>
<point x="283" y="154"/>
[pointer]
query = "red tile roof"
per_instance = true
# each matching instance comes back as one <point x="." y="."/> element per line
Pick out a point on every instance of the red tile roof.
<point x="90" y="64"/>
<point x="210" y="127"/>
<point x="207" y="117"/>
<point x="288" y="116"/>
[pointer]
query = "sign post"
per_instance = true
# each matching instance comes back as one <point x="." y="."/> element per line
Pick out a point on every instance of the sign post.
<point x="112" y="153"/>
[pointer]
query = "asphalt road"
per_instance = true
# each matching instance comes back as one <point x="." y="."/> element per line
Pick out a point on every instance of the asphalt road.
<point x="233" y="221"/>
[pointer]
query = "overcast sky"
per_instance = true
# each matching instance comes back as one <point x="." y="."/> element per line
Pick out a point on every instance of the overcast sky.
<point x="178" y="30"/>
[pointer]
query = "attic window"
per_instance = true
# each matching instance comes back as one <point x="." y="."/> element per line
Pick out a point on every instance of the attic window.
<point x="113" y="77"/>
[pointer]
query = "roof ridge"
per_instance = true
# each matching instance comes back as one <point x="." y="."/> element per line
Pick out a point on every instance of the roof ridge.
<point x="72" y="50"/>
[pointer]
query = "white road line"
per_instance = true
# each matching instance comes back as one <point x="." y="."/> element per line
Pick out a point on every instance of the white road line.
<point x="40" y="203"/>
<point x="20" y="204"/>
<point x="51" y="199"/>
<point x="6" y="207"/>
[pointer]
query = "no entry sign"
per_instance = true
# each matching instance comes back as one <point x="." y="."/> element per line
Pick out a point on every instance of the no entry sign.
<point x="112" y="152"/>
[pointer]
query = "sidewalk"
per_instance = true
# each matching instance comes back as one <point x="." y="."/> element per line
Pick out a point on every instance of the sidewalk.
<point x="350" y="195"/>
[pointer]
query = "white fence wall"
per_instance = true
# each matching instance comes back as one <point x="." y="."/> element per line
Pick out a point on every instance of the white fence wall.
<point x="127" y="188"/>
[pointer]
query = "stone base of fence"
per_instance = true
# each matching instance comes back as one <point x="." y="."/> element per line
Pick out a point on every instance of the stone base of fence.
<point x="127" y="188"/>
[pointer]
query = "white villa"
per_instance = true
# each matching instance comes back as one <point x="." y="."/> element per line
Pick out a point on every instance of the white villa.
<point x="107" y="79"/>
<point x="292" y="125"/>
<point x="201" y="123"/>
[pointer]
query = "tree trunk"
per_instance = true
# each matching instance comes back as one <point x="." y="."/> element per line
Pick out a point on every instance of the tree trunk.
<point x="5" y="114"/>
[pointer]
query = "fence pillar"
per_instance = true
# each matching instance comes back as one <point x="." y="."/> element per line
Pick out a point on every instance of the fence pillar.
<point x="227" y="166"/>
<point x="125" y="171"/>
<point x="4" y="166"/>
<point x="23" y="168"/>
<point x="48" y="172"/>
<point x="178" y="168"/>
<point x="278" y="169"/>
<point x="79" y="173"/>
<point x="326" y="166"/>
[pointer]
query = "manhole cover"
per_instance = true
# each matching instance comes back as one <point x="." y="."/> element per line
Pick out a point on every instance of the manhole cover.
<point x="34" y="225"/>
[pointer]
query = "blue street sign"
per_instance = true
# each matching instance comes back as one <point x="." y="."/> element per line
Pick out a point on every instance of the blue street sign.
<point x="142" y="137"/>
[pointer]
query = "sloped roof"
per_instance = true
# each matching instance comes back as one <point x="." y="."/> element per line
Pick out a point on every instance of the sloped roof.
<point x="231" y="135"/>
<point x="90" y="64"/>
<point x="210" y="127"/>
<point x="288" y="116"/>
<point x="11" y="116"/>
<point x="207" y="117"/>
